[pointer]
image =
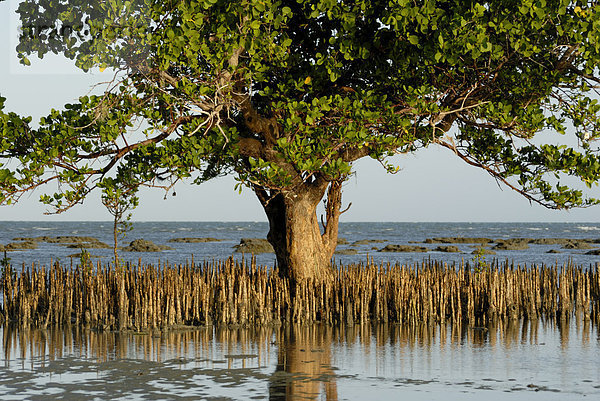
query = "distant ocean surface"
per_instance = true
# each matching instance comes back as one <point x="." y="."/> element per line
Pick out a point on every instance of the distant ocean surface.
<point x="231" y="232"/>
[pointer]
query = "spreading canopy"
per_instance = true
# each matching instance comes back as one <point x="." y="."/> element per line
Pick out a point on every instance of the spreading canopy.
<point x="287" y="94"/>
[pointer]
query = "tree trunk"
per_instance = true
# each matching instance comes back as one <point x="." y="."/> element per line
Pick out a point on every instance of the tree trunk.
<point x="302" y="247"/>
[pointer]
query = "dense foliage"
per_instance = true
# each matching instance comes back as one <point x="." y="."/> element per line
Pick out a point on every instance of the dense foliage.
<point x="286" y="94"/>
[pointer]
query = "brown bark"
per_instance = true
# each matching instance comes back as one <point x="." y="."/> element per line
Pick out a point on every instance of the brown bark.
<point x="303" y="250"/>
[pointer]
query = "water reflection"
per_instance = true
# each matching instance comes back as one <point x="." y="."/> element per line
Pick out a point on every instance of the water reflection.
<point x="303" y="362"/>
<point x="304" y="368"/>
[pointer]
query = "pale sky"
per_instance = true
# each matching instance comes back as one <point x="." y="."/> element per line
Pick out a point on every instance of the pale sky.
<point x="433" y="185"/>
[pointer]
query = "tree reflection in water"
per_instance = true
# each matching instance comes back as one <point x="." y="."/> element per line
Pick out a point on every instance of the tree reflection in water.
<point x="298" y="362"/>
<point x="304" y="370"/>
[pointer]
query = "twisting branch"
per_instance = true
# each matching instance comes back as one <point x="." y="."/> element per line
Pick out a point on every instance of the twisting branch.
<point x="496" y="175"/>
<point x="125" y="150"/>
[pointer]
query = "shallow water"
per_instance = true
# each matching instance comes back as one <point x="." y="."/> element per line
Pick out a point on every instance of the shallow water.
<point x="520" y="360"/>
<point x="230" y="234"/>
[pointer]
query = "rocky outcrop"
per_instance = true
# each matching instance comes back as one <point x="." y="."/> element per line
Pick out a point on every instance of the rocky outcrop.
<point x="447" y="248"/>
<point x="19" y="246"/>
<point x="342" y="241"/>
<point x="347" y="251"/>
<point x="557" y="241"/>
<point x="575" y="244"/>
<point x="553" y="251"/>
<point x="194" y="240"/>
<point x="368" y="241"/>
<point x="458" y="240"/>
<point x="512" y="244"/>
<point x="71" y="241"/>
<point x="593" y="252"/>
<point x="81" y="254"/>
<point x="483" y="251"/>
<point x="403" y="248"/>
<point x="549" y="241"/>
<point x="68" y="239"/>
<point x="89" y="245"/>
<point x="254" y="245"/>
<point x="142" y="245"/>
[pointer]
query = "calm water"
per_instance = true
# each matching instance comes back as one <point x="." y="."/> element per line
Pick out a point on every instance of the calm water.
<point x="523" y="360"/>
<point x="231" y="233"/>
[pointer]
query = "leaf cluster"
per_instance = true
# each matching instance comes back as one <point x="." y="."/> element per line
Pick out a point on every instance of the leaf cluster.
<point x="286" y="92"/>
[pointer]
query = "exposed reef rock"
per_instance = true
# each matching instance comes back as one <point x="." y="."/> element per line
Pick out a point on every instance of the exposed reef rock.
<point x="558" y="241"/>
<point x="71" y="241"/>
<point x="458" y="240"/>
<point x="19" y="246"/>
<point x="254" y="245"/>
<point x="194" y="240"/>
<point x="68" y="239"/>
<point x="403" y="248"/>
<point x="80" y="254"/>
<point x="368" y="241"/>
<point x="483" y="251"/>
<point x="513" y="244"/>
<point x="348" y="251"/>
<point x="142" y="245"/>
<point x="576" y="244"/>
<point x="447" y="248"/>
<point x="89" y="245"/>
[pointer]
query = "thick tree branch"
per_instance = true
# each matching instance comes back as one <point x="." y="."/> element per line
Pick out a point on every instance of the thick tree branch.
<point x="120" y="153"/>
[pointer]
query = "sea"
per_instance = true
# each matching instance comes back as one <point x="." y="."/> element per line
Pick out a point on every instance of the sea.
<point x="230" y="234"/>
<point x="513" y="360"/>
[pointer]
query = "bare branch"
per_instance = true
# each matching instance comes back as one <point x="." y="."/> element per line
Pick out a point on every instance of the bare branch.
<point x="496" y="175"/>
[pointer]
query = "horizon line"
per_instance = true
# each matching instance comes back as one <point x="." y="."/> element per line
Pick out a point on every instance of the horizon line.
<point x="341" y="222"/>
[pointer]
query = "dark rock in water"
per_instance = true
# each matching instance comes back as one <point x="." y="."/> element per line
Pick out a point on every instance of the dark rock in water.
<point x="553" y="251"/>
<point x="342" y="241"/>
<point x="254" y="245"/>
<point x="593" y="252"/>
<point x="511" y="247"/>
<point x="68" y="239"/>
<point x="348" y="251"/>
<point x="368" y="241"/>
<point x="28" y="239"/>
<point x="458" y="240"/>
<point x="193" y="240"/>
<point x="89" y="245"/>
<point x="575" y="244"/>
<point x="550" y="241"/>
<point x="17" y="246"/>
<point x="447" y="248"/>
<point x="483" y="251"/>
<point x="142" y="245"/>
<point x="79" y="255"/>
<point x="513" y="244"/>
<point x="403" y="248"/>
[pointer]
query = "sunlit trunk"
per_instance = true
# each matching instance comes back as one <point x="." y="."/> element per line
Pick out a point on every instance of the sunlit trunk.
<point x="303" y="248"/>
